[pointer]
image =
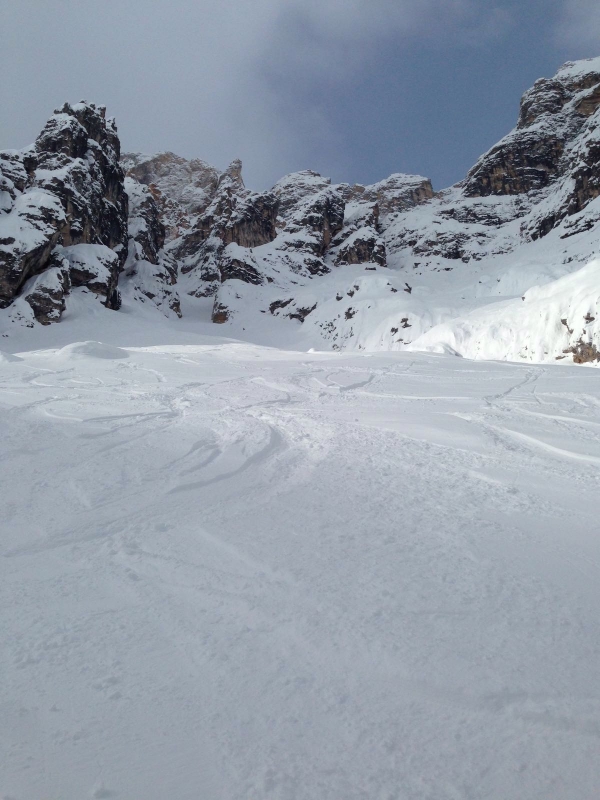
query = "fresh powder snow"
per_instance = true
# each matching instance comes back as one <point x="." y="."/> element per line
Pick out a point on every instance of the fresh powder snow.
<point x="234" y="571"/>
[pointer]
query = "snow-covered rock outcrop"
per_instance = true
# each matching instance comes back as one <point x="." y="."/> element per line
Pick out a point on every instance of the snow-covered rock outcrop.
<point x="525" y="214"/>
<point x="350" y="266"/>
<point x="181" y="188"/>
<point x="150" y="272"/>
<point x="64" y="192"/>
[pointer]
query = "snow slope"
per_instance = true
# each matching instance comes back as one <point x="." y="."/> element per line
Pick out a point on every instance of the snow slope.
<point x="549" y="323"/>
<point x="229" y="571"/>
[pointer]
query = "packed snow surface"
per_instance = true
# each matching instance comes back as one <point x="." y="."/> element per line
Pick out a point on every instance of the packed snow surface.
<point x="229" y="571"/>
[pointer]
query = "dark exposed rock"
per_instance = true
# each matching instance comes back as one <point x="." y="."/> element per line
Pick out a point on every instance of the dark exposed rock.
<point x="232" y="175"/>
<point x="180" y="187"/>
<point x="588" y="104"/>
<point x="359" y="242"/>
<point x="96" y="267"/>
<point x="47" y="294"/>
<point x="516" y="166"/>
<point x="238" y="216"/>
<point x="150" y="272"/>
<point x="279" y="304"/>
<point x="363" y="246"/>
<point x="547" y="96"/>
<point x="318" y="218"/>
<point x="236" y="264"/>
<point x="234" y="217"/>
<point x="13" y="175"/>
<point x="302" y="313"/>
<point x="201" y="230"/>
<point x="66" y="190"/>
<point x="220" y="313"/>
<point x="294" y="188"/>
<point x="584" y="352"/>
<point x="585" y="174"/>
<point x="394" y="194"/>
<point x="566" y="324"/>
<point x="552" y="114"/>
<point x="28" y="233"/>
<point x="200" y="258"/>
<point x="144" y="224"/>
<point x="252" y="222"/>
<point x="78" y="161"/>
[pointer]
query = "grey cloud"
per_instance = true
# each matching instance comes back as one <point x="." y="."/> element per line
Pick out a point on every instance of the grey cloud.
<point x="195" y="76"/>
<point x="579" y="26"/>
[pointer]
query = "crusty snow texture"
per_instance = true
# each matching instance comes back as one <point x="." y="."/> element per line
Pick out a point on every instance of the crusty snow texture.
<point x="230" y="571"/>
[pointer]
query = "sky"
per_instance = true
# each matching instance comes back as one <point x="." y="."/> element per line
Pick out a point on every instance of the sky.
<point x="355" y="89"/>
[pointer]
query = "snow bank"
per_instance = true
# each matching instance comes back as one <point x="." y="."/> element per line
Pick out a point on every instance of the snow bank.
<point x="550" y="322"/>
<point x="7" y="358"/>
<point x="92" y="350"/>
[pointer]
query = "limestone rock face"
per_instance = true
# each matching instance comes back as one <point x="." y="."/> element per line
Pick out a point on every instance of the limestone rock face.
<point x="547" y="96"/>
<point x="320" y="228"/>
<point x="66" y="190"/>
<point x="46" y="295"/>
<point x="553" y="114"/>
<point x="233" y="174"/>
<point x="362" y="247"/>
<point x="542" y="175"/>
<point x="95" y="267"/>
<point x="360" y="240"/>
<point x="302" y="229"/>
<point x="394" y="194"/>
<point x="144" y="225"/>
<point x="70" y="221"/>
<point x="150" y="271"/>
<point x="293" y="188"/>
<point x="78" y="160"/>
<point x="181" y="188"/>
<point x="249" y="222"/>
<point x="29" y="229"/>
<point x="320" y="217"/>
<point x="235" y="217"/>
<point x="236" y="263"/>
<point x="516" y="166"/>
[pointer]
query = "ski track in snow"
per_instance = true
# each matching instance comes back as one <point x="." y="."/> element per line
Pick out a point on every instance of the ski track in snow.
<point x="233" y="572"/>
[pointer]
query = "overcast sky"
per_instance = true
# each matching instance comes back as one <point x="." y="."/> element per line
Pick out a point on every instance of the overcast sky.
<point x="356" y="89"/>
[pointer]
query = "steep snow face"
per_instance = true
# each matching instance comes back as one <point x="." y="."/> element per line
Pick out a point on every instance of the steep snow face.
<point x="575" y="70"/>
<point x="549" y="323"/>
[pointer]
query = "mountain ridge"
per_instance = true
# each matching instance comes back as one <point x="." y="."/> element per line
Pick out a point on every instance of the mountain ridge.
<point x="364" y="267"/>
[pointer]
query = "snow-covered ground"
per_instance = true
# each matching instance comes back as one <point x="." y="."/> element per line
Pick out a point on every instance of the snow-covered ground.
<point x="232" y="572"/>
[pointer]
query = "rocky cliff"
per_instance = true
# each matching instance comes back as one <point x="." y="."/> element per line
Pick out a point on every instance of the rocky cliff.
<point x="64" y="213"/>
<point x="361" y="266"/>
